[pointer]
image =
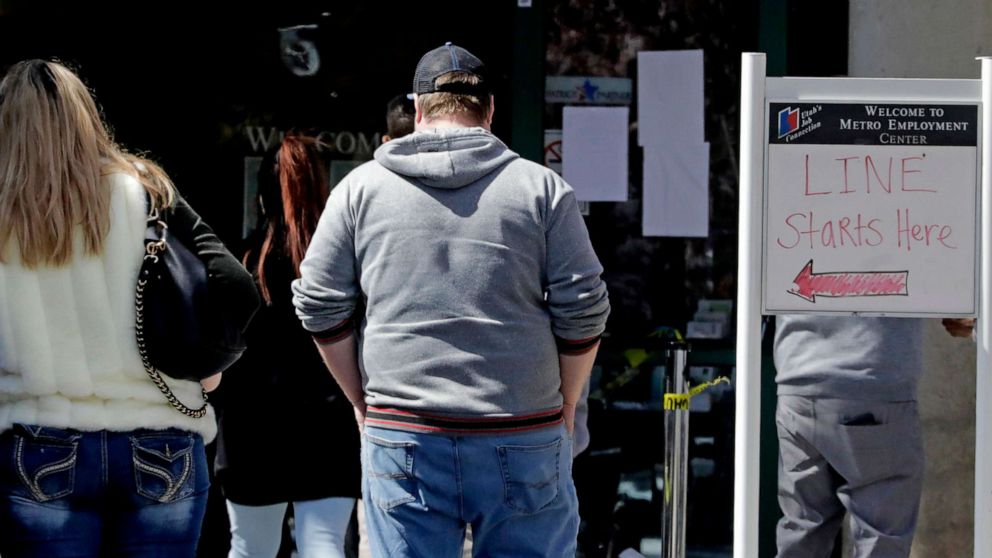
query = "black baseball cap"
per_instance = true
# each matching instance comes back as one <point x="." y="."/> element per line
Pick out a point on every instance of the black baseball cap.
<point x="444" y="60"/>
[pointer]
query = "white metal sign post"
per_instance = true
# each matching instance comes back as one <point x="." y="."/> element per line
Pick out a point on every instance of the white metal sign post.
<point x="747" y="462"/>
<point x="857" y="196"/>
<point x="983" y="384"/>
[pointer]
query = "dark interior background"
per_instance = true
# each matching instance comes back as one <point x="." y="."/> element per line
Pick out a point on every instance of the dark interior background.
<point x="183" y="80"/>
<point x="190" y="82"/>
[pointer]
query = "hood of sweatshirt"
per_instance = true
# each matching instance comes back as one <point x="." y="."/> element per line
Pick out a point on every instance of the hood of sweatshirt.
<point x="447" y="158"/>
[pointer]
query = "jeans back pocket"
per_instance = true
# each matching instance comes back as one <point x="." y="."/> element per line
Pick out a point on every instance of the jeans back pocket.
<point x="45" y="460"/>
<point x="163" y="465"/>
<point x="530" y="475"/>
<point x="390" y="472"/>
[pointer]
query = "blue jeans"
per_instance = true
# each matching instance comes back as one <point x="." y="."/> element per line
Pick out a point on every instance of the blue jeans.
<point x="515" y="490"/>
<point x="69" y="493"/>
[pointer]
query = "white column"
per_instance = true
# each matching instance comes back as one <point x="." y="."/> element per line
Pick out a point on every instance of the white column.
<point x="983" y="385"/>
<point x="748" y="420"/>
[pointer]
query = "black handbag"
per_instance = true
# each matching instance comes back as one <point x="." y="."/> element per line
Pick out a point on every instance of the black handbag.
<point x="181" y="331"/>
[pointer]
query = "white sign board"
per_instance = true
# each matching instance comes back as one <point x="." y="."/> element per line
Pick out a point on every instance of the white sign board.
<point x="871" y="207"/>
<point x="670" y="98"/>
<point x="595" y="165"/>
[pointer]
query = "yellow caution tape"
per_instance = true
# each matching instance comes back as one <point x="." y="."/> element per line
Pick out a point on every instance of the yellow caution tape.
<point x="680" y="401"/>
<point x="635" y="357"/>
<point x="664" y="330"/>
<point x="676" y="402"/>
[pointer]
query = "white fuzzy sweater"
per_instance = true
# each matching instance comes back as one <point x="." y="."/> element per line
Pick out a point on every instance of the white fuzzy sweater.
<point x="68" y="356"/>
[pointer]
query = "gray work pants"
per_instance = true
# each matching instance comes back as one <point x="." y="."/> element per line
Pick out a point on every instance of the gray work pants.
<point x="862" y="457"/>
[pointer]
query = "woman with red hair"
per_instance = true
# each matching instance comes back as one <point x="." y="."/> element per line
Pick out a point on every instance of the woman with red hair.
<point x="281" y="411"/>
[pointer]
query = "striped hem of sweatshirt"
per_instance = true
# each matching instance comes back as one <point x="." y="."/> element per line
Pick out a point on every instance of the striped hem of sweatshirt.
<point x="576" y="346"/>
<point x="411" y="421"/>
<point x="335" y="333"/>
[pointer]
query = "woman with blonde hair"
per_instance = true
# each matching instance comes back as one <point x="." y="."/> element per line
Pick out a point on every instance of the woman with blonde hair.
<point x="94" y="461"/>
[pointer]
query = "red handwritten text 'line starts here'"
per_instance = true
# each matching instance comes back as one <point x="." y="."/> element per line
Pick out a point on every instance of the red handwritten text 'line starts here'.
<point x="808" y="230"/>
<point x="902" y="228"/>
<point x="857" y="174"/>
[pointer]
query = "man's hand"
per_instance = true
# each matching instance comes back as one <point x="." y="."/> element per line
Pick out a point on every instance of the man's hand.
<point x="341" y="358"/>
<point x="211" y="383"/>
<point x="360" y="408"/>
<point x="568" y="413"/>
<point x="575" y="371"/>
<point x="959" y="327"/>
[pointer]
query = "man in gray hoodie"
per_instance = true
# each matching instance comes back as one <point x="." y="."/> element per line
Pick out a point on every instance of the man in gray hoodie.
<point x="483" y="310"/>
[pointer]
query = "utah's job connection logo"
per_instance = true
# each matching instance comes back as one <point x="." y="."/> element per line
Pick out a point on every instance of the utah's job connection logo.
<point x="794" y="122"/>
<point x="788" y="121"/>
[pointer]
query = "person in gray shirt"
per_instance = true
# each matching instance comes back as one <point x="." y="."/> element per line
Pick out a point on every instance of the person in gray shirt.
<point x="483" y="311"/>
<point x="849" y="433"/>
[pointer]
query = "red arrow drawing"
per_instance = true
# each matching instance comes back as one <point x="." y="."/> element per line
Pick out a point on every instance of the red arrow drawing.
<point x="849" y="283"/>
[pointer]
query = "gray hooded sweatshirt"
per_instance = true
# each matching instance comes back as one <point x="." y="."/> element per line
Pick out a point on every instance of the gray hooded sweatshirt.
<point x="470" y="262"/>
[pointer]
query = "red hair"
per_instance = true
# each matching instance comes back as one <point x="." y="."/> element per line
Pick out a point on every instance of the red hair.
<point x="302" y="185"/>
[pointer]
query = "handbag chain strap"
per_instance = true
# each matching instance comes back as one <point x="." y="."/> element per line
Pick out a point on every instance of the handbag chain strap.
<point x="151" y="253"/>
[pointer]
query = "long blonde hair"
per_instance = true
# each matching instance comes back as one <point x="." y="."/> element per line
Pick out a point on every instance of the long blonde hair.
<point x="54" y="152"/>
